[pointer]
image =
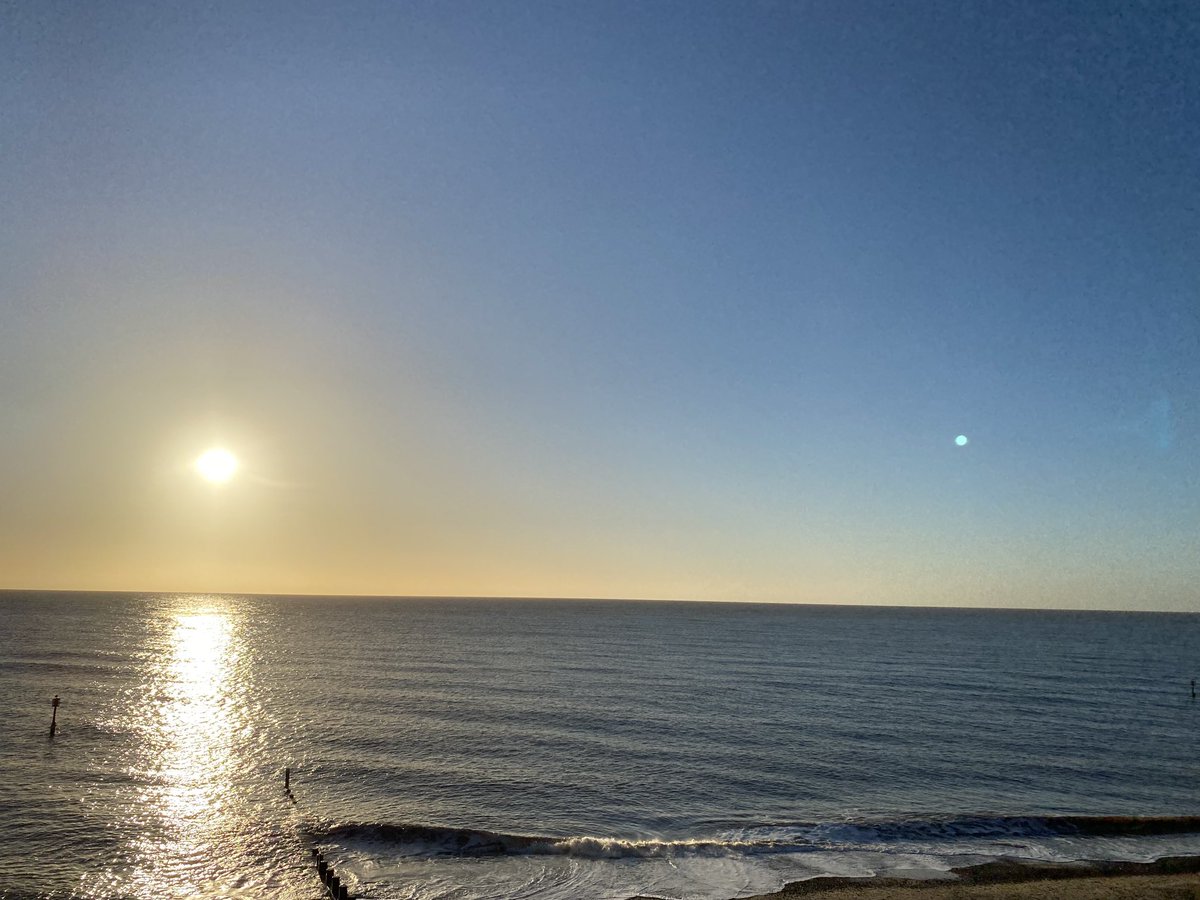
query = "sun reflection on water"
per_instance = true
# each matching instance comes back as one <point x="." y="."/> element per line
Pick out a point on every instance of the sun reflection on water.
<point x="189" y="754"/>
<point x="183" y="793"/>
<point x="197" y="724"/>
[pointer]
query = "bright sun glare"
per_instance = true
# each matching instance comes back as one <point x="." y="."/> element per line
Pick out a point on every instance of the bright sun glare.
<point x="217" y="465"/>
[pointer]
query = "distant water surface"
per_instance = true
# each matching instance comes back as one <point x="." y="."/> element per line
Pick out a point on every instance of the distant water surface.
<point x="569" y="749"/>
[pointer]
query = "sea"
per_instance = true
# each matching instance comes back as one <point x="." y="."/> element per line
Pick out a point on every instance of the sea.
<point x="591" y="750"/>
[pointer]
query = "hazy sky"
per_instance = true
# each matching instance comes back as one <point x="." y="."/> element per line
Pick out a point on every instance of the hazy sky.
<point x="604" y="299"/>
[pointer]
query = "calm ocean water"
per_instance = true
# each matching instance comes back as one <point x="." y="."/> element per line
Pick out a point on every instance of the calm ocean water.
<point x="569" y="749"/>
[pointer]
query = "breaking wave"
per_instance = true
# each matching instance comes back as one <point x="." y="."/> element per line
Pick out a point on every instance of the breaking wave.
<point x="782" y="838"/>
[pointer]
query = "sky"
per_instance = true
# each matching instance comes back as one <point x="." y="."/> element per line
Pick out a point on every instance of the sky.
<point x="604" y="299"/>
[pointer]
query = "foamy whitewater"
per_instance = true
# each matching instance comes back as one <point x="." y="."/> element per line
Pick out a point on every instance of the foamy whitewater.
<point x="569" y="749"/>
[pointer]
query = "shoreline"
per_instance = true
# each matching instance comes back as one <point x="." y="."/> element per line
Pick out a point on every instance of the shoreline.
<point x="1169" y="878"/>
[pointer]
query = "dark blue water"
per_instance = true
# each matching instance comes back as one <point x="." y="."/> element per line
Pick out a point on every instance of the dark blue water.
<point x="497" y="748"/>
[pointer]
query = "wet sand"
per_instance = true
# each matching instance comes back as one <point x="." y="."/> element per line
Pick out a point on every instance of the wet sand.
<point x="1175" y="878"/>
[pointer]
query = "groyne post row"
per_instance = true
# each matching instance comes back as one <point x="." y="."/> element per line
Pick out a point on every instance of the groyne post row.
<point x="329" y="878"/>
<point x="337" y="890"/>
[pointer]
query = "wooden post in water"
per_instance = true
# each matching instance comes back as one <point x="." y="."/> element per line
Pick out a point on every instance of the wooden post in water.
<point x="287" y="778"/>
<point x="54" y="713"/>
<point x="1193" y="697"/>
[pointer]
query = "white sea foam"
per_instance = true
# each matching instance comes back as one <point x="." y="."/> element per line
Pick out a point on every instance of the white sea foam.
<point x="418" y="862"/>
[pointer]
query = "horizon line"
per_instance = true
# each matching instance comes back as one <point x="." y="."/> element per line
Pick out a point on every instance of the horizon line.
<point x="588" y="599"/>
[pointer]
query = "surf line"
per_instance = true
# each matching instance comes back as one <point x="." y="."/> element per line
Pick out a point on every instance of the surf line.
<point x="333" y="884"/>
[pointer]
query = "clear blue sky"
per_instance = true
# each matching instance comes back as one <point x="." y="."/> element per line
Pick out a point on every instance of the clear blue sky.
<point x="605" y="299"/>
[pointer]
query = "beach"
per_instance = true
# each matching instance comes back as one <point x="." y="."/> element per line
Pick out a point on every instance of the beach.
<point x="1173" y="878"/>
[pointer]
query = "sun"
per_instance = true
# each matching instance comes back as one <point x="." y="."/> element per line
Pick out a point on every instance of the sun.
<point x="217" y="465"/>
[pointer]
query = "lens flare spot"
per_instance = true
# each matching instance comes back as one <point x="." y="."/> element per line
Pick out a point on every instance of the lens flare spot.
<point x="962" y="440"/>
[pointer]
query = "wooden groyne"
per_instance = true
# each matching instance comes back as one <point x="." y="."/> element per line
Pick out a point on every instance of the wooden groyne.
<point x="333" y="883"/>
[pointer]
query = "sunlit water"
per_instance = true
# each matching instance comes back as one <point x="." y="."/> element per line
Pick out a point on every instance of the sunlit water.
<point x="488" y="749"/>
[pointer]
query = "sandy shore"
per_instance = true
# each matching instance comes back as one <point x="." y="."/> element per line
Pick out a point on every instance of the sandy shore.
<point x="1176" y="878"/>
